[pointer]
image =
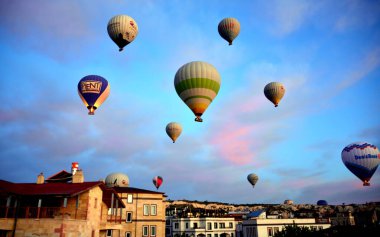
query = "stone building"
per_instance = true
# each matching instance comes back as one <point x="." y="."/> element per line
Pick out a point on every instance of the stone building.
<point x="64" y="205"/>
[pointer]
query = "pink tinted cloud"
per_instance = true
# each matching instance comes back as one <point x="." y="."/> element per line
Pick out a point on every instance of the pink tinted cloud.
<point x="236" y="141"/>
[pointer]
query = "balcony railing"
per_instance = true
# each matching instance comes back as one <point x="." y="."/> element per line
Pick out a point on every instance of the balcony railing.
<point x="43" y="212"/>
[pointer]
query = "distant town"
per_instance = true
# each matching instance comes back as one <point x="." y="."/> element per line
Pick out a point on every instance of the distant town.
<point x="64" y="204"/>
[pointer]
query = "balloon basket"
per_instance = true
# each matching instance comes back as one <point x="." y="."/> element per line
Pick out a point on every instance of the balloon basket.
<point x="197" y="119"/>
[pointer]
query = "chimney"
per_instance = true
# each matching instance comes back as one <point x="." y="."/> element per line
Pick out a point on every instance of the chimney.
<point x="78" y="177"/>
<point x="40" y="178"/>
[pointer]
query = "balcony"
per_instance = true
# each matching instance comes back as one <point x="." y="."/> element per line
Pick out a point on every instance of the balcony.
<point x="43" y="212"/>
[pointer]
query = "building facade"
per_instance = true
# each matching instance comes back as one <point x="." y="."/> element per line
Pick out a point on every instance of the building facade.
<point x="201" y="227"/>
<point x="66" y="206"/>
<point x="268" y="227"/>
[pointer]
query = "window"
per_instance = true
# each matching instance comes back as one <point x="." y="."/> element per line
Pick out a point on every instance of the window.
<point x="276" y="229"/>
<point x="168" y="222"/>
<point x="209" y="226"/>
<point x="320" y="228"/>
<point x="195" y="225"/>
<point x="153" y="210"/>
<point x="96" y="203"/>
<point x="109" y="233"/>
<point x="168" y="231"/>
<point x="231" y="225"/>
<point x="152" y="230"/>
<point x="145" y="230"/>
<point x="146" y="210"/>
<point x="215" y="235"/>
<point x="215" y="225"/>
<point x="176" y="226"/>
<point x="129" y="198"/>
<point x="208" y="235"/>
<point x="129" y="217"/>
<point x="232" y="234"/>
<point x="270" y="231"/>
<point x="222" y="225"/>
<point x="128" y="234"/>
<point x="187" y="225"/>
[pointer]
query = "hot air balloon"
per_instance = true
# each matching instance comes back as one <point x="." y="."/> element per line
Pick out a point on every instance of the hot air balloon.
<point x="117" y="180"/>
<point x="197" y="84"/>
<point x="274" y="92"/>
<point x="362" y="159"/>
<point x="122" y="29"/>
<point x="93" y="90"/>
<point x="229" y="29"/>
<point x="252" y="179"/>
<point x="157" y="181"/>
<point x="322" y="203"/>
<point x="173" y="130"/>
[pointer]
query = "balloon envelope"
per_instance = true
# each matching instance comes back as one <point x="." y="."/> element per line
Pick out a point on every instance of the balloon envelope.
<point x="197" y="84"/>
<point x="252" y="179"/>
<point x="122" y="29"/>
<point x="93" y="90"/>
<point x="322" y="203"/>
<point x="157" y="181"/>
<point x="229" y="29"/>
<point x="173" y="130"/>
<point x="274" y="92"/>
<point x="362" y="159"/>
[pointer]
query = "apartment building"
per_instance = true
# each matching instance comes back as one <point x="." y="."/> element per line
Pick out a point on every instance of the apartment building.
<point x="64" y="205"/>
<point x="267" y="227"/>
<point x="201" y="227"/>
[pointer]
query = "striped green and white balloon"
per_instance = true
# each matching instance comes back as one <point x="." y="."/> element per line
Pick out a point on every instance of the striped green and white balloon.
<point x="122" y="29"/>
<point x="229" y="28"/>
<point x="274" y="92"/>
<point x="197" y="84"/>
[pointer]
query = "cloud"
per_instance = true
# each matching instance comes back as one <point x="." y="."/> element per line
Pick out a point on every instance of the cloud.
<point x="286" y="17"/>
<point x="369" y="63"/>
<point x="348" y="191"/>
<point x="357" y="14"/>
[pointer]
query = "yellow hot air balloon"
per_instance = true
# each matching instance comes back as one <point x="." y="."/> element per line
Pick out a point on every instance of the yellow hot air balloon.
<point x="173" y="130"/>
<point x="229" y="29"/>
<point x="123" y="30"/>
<point x="274" y="92"/>
<point x="197" y="83"/>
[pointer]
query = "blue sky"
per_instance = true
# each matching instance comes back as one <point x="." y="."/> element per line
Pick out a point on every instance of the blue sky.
<point x="326" y="53"/>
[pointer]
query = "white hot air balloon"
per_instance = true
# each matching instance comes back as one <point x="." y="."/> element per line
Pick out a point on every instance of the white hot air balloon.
<point x="173" y="130"/>
<point x="362" y="159"/>
<point x="122" y="29"/>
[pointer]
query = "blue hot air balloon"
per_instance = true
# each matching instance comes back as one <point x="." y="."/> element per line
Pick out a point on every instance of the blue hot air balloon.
<point x="322" y="203"/>
<point x="362" y="159"/>
<point x="93" y="90"/>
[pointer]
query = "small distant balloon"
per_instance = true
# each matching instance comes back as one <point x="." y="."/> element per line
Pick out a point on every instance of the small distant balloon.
<point x="197" y="84"/>
<point x="157" y="181"/>
<point x="322" y="203"/>
<point x="252" y="179"/>
<point x="229" y="29"/>
<point x="93" y="90"/>
<point x="173" y="130"/>
<point x="122" y="29"/>
<point x="362" y="159"/>
<point x="274" y="92"/>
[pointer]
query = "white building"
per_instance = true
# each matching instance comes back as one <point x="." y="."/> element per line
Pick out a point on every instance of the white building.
<point x="268" y="227"/>
<point x="201" y="227"/>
